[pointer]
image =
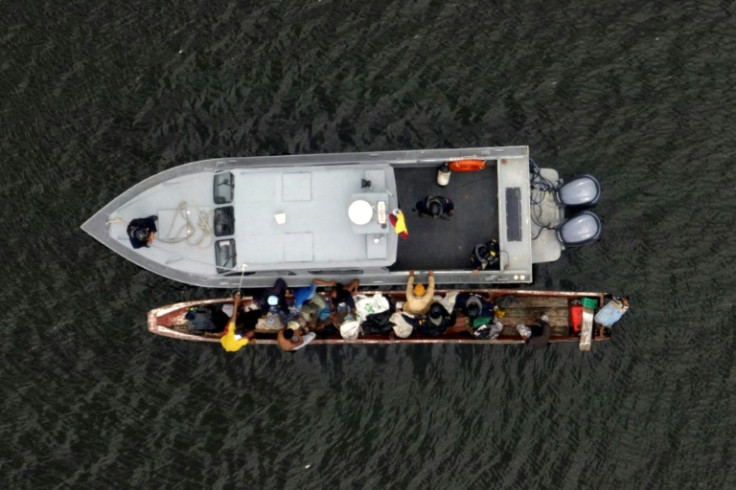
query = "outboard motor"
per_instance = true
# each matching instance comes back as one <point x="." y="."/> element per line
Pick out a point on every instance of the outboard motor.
<point x="584" y="190"/>
<point x="581" y="229"/>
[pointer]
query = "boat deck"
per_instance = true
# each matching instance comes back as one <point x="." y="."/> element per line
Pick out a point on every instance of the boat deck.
<point x="491" y="203"/>
<point x="443" y="244"/>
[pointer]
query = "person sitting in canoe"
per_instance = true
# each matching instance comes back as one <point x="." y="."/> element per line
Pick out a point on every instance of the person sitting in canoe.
<point x="475" y="305"/>
<point x="142" y="231"/>
<point x="436" y="207"/>
<point x="419" y="299"/>
<point x="235" y="338"/>
<point x="341" y="296"/>
<point x="314" y="309"/>
<point x="273" y="298"/>
<point x="437" y="322"/>
<point x="293" y="337"/>
<point x="536" y="336"/>
<point x="210" y="319"/>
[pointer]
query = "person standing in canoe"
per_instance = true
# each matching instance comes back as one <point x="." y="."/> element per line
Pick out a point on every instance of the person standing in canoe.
<point x="419" y="299"/>
<point x="234" y="338"/>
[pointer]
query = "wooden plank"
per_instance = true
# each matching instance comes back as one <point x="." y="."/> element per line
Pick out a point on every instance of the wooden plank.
<point x="557" y="317"/>
<point x="536" y="301"/>
<point x="586" y="334"/>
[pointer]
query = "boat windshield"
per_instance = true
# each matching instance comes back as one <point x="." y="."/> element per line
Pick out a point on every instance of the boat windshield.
<point x="224" y="221"/>
<point x="223" y="188"/>
<point x="225" y="255"/>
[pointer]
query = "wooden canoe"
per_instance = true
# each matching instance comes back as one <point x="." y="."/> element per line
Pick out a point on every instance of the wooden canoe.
<point x="526" y="308"/>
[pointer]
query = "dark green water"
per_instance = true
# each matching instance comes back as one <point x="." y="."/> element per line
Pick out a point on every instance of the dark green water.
<point x="99" y="95"/>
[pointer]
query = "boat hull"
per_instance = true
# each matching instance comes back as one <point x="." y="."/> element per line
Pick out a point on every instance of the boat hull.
<point x="529" y="305"/>
<point x="301" y="246"/>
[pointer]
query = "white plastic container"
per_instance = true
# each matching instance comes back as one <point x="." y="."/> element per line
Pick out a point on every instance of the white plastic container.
<point x="612" y="312"/>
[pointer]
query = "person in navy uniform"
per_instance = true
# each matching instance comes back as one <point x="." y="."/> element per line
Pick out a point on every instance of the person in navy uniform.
<point x="436" y="207"/>
<point x="142" y="231"/>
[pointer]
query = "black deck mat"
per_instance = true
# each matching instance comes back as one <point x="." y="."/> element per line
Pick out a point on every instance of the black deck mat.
<point x="440" y="244"/>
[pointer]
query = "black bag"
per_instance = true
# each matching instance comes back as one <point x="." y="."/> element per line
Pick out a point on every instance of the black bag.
<point x="377" y="323"/>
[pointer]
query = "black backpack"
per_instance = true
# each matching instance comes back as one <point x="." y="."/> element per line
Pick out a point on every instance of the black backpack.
<point x="377" y="323"/>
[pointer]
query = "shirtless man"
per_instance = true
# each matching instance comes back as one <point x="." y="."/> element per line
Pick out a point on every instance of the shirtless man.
<point x="292" y="338"/>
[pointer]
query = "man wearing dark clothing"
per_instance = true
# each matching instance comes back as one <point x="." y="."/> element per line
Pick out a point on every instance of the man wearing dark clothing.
<point x="435" y="206"/>
<point x="247" y="320"/>
<point x="141" y="231"/>
<point x="207" y="319"/>
<point x="474" y="305"/>
<point x="273" y="296"/>
<point x="540" y="334"/>
<point x="438" y="320"/>
<point x="341" y="294"/>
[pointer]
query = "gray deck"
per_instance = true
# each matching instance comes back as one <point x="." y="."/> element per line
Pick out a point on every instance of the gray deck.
<point x="317" y="232"/>
<point x="439" y="243"/>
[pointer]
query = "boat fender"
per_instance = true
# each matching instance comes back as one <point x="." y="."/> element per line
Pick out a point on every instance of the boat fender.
<point x="467" y="165"/>
<point x="443" y="175"/>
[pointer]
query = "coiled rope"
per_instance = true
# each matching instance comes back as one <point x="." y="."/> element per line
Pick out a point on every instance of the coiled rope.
<point x="187" y="230"/>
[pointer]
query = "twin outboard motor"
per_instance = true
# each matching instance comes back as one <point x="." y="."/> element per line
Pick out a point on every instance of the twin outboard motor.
<point x="584" y="190"/>
<point x="581" y="229"/>
<point x="585" y="226"/>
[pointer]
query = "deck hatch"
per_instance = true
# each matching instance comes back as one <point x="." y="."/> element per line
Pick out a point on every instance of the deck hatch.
<point x="223" y="188"/>
<point x="225" y="257"/>
<point x="224" y="221"/>
<point x="513" y="214"/>
<point x="296" y="186"/>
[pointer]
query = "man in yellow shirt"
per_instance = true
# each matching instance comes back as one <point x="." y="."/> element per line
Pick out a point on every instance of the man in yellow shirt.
<point x="233" y="341"/>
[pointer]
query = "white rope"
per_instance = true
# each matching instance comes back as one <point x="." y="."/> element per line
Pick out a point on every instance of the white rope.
<point x="119" y="219"/>
<point x="187" y="231"/>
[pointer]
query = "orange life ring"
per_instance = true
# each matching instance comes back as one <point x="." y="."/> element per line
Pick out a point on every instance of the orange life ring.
<point x="467" y="165"/>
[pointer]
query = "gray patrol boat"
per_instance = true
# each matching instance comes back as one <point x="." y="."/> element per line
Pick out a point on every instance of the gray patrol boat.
<point x="243" y="222"/>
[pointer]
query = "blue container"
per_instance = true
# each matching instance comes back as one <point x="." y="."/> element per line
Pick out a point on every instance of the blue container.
<point x="611" y="312"/>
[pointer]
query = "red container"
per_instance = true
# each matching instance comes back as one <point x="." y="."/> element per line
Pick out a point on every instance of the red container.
<point x="576" y="317"/>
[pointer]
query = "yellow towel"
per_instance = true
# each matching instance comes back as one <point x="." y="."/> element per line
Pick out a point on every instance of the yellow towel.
<point x="399" y="223"/>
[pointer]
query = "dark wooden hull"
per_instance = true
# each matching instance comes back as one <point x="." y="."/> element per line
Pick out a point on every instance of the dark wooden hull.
<point x="529" y="305"/>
